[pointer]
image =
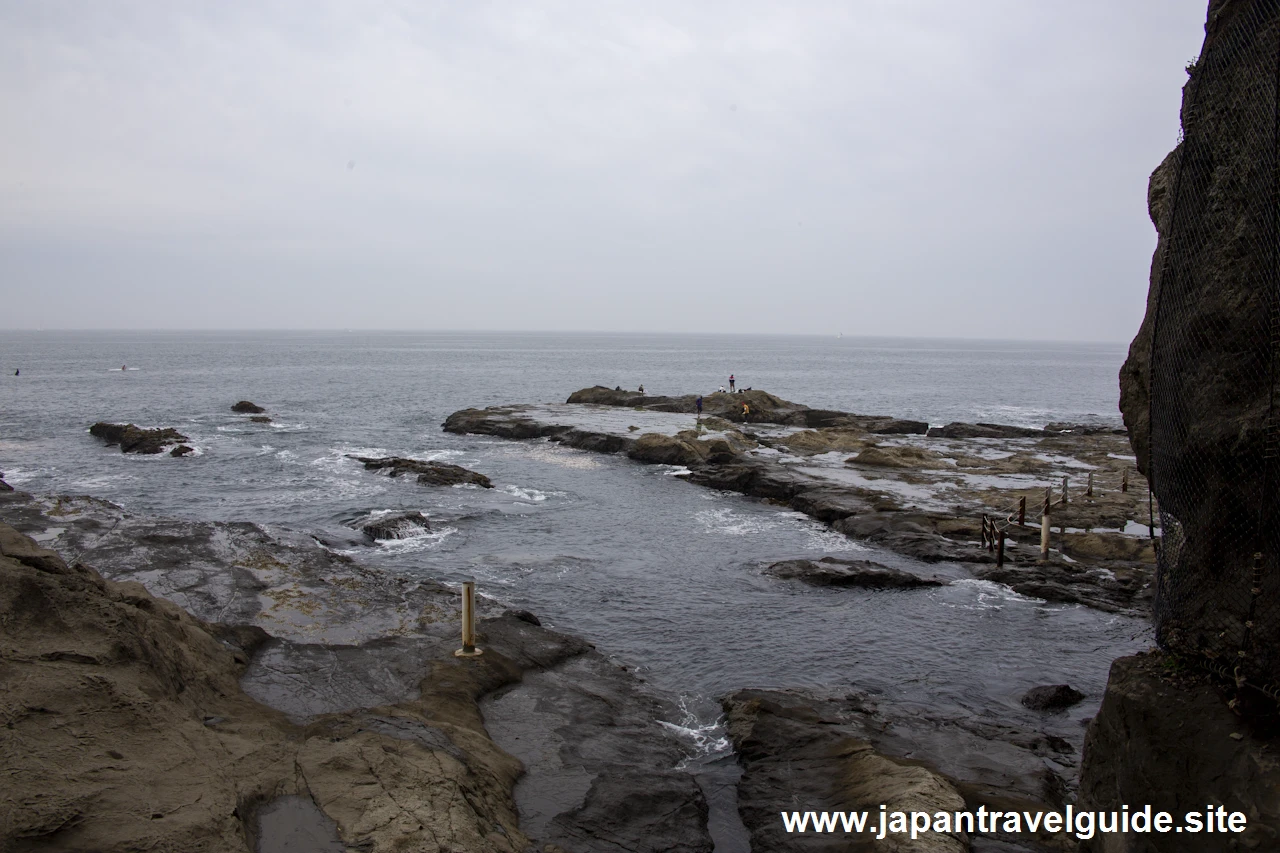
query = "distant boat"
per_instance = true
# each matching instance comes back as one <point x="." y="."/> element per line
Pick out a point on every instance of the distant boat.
<point x="839" y="334"/>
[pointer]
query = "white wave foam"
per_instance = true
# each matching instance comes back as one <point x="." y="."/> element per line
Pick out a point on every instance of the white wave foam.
<point x="529" y="494"/>
<point x="705" y="738"/>
<point x="728" y="522"/>
<point x="18" y="476"/>
<point x="424" y="541"/>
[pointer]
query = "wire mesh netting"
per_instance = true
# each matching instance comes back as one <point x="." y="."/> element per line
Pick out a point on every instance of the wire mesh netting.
<point x="1213" y="419"/>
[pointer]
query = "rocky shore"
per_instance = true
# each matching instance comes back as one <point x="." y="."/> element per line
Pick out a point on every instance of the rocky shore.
<point x="913" y="490"/>
<point x="321" y="703"/>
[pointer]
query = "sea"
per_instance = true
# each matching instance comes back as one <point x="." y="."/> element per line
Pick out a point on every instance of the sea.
<point x="661" y="575"/>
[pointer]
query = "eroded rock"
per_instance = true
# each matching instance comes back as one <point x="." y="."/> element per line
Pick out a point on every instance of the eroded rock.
<point x="429" y="473"/>
<point x="135" y="439"/>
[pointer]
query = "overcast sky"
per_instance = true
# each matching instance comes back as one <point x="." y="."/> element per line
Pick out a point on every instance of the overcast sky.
<point x="887" y="167"/>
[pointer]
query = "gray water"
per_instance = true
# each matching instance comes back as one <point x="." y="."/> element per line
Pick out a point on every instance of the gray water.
<point x="660" y="574"/>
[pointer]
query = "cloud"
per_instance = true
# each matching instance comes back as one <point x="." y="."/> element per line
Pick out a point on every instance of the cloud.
<point x="880" y="167"/>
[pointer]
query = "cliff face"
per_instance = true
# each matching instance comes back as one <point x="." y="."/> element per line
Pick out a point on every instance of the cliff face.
<point x="1197" y="390"/>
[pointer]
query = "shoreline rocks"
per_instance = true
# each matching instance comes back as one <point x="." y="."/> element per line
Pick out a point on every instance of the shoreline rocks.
<point x="884" y="498"/>
<point x="429" y="473"/>
<point x="135" y="439"/>
<point x="355" y="705"/>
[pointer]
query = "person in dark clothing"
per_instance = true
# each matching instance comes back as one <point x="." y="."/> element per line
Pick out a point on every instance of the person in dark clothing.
<point x="730" y="383"/>
<point x="698" y="403"/>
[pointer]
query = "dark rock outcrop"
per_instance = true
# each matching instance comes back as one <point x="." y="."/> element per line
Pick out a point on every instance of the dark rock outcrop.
<point x="1051" y="697"/>
<point x="832" y="571"/>
<point x="1164" y="736"/>
<point x="805" y="752"/>
<point x="134" y="439"/>
<point x="963" y="430"/>
<point x="182" y="450"/>
<point x="429" y="473"/>
<point x="397" y="526"/>
<point x="1197" y="389"/>
<point x="4" y="487"/>
<point x="244" y="407"/>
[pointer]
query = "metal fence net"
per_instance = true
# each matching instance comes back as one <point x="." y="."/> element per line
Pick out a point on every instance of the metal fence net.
<point x="1213" y="419"/>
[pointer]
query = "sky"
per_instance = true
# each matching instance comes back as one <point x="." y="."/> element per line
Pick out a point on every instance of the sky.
<point x="921" y="168"/>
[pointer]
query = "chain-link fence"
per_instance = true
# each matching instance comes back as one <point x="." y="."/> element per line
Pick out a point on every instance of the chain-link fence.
<point x="1213" y="429"/>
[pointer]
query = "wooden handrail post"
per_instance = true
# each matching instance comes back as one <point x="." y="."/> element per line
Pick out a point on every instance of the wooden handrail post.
<point x="1044" y="527"/>
<point x="469" y="649"/>
<point x="1022" y="511"/>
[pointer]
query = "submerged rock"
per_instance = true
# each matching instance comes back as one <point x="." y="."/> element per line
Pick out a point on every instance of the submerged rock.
<point x="182" y="450"/>
<point x="1051" y="697"/>
<point x="244" y="407"/>
<point x="135" y="439"/>
<point x="832" y="571"/>
<point x="399" y="526"/>
<point x="429" y="473"/>
<point x="260" y="419"/>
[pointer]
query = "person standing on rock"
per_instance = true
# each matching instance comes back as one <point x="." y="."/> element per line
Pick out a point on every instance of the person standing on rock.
<point x="746" y="412"/>
<point x="698" y="403"/>
<point x="730" y="383"/>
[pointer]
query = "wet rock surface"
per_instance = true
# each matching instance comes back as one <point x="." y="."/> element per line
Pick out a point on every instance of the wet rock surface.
<point x="350" y="707"/>
<point x="135" y="439"/>
<point x="918" y="496"/>
<point x="806" y="751"/>
<point x="834" y="571"/>
<point x="1165" y="736"/>
<point x="401" y="525"/>
<point x="429" y="473"/>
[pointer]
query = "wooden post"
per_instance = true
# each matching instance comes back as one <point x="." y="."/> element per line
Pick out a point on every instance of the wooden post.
<point x="1000" y="550"/>
<point x="1064" y="491"/>
<point x="1088" y="493"/>
<point x="468" y="649"/>
<point x="991" y="535"/>
<point x="1044" y="527"/>
<point x="1022" y="511"/>
<point x="1124" y="480"/>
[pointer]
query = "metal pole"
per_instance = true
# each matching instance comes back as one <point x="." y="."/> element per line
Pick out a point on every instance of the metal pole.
<point x="469" y="649"/>
<point x="1088" y="493"/>
<point x="1064" y="491"/>
<point x="1022" y="511"/>
<point x="1044" y="528"/>
<point x="1000" y="550"/>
